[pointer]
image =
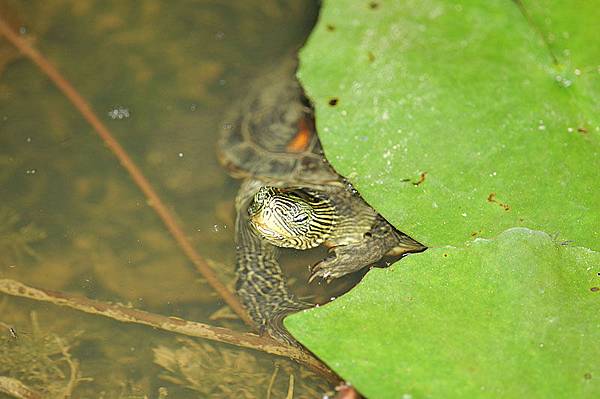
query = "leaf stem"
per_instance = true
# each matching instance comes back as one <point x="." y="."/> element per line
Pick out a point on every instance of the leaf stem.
<point x="521" y="6"/>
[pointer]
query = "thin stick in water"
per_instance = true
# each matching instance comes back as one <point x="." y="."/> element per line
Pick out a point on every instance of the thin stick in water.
<point x="172" y="324"/>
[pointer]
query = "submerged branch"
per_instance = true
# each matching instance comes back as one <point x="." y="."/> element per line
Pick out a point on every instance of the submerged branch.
<point x="172" y="324"/>
<point x="16" y="389"/>
<point x="125" y="160"/>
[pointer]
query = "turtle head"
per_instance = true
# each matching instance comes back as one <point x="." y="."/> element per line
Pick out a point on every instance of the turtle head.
<point x="291" y="218"/>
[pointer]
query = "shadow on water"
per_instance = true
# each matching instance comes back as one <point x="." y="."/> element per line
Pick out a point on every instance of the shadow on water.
<point x="160" y="75"/>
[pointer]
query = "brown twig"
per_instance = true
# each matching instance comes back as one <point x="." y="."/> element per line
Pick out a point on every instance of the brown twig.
<point x="290" y="394"/>
<point x="17" y="389"/>
<point x="272" y="381"/>
<point x="134" y="171"/>
<point x="172" y="324"/>
<point x="74" y="377"/>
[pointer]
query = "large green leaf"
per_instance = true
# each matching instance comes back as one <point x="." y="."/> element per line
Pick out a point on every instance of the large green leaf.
<point x="506" y="125"/>
<point x="512" y="317"/>
<point x="457" y="121"/>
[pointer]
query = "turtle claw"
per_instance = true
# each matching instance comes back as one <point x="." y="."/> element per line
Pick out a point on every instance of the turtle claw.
<point x="327" y="269"/>
<point x="334" y="266"/>
<point x="319" y="272"/>
<point x="346" y="259"/>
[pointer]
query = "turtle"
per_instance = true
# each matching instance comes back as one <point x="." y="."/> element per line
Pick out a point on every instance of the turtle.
<point x="291" y="197"/>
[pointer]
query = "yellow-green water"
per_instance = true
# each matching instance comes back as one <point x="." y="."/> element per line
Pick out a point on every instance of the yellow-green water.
<point x="160" y="75"/>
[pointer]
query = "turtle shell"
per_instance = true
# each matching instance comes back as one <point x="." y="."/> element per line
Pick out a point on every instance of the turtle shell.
<point x="270" y="133"/>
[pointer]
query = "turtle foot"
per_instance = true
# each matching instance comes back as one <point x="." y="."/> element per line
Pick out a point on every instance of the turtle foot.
<point x="342" y="260"/>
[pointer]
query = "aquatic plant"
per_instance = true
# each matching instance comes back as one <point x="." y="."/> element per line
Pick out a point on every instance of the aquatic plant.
<point x="17" y="238"/>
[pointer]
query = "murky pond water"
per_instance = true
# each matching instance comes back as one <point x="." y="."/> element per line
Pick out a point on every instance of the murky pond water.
<point x="160" y="75"/>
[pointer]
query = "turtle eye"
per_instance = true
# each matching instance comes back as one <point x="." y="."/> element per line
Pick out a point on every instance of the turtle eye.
<point x="301" y="217"/>
<point x="262" y="194"/>
<point x="259" y="197"/>
<point x="254" y="207"/>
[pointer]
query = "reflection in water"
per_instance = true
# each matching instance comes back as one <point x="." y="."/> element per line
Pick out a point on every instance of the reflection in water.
<point x="160" y="75"/>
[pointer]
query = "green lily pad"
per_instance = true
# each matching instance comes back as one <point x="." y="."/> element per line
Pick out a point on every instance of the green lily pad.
<point x="472" y="126"/>
<point x="512" y="317"/>
<point x="461" y="119"/>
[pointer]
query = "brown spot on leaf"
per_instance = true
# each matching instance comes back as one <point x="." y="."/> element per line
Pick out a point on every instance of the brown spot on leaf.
<point x="421" y="179"/>
<point x="330" y="27"/>
<point x="333" y="102"/>
<point x="587" y="376"/>
<point x="371" y="56"/>
<point x="492" y="198"/>
<point x="595" y="289"/>
<point x="582" y="130"/>
<point x="445" y="255"/>
<point x="373" y="5"/>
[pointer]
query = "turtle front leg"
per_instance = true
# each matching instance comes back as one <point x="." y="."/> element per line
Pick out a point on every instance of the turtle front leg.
<point x="383" y="239"/>
<point x="344" y="259"/>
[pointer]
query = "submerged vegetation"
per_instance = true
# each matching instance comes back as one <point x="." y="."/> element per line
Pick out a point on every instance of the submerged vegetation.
<point x="39" y="360"/>
<point x="17" y="238"/>
<point x="191" y="363"/>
